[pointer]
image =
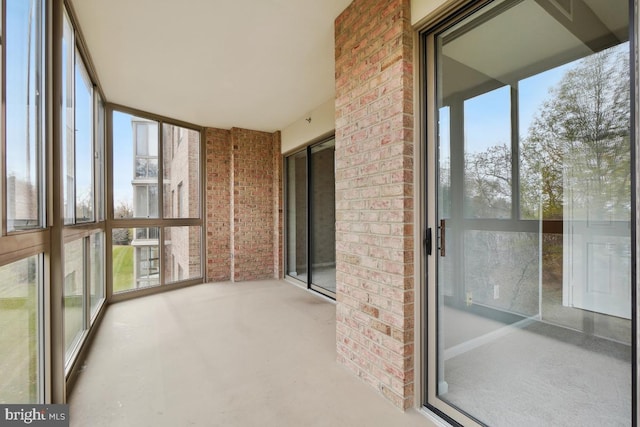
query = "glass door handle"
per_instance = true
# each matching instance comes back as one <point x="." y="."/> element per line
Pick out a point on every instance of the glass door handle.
<point x="443" y="250"/>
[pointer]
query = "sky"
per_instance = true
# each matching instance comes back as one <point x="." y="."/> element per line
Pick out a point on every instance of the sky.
<point x="18" y="52"/>
<point x="123" y="158"/>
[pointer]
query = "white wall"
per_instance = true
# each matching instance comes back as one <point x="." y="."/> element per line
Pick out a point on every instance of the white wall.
<point x="302" y="132"/>
<point x="422" y="8"/>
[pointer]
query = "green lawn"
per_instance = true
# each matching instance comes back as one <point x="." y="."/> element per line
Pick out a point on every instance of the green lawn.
<point x="122" y="268"/>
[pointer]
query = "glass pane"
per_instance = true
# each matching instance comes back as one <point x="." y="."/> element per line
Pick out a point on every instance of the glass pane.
<point x="487" y="155"/>
<point x="137" y="174"/>
<point x="182" y="249"/>
<point x="100" y="147"/>
<point x="19" y="343"/>
<point x="181" y="156"/>
<point x="68" y="125"/>
<point x="444" y="156"/>
<point x="96" y="258"/>
<point x="24" y="114"/>
<point x="136" y="260"/>
<point x="122" y="253"/>
<point x="84" y="143"/>
<point x="323" y="216"/>
<point x="534" y="284"/>
<point x="73" y="292"/>
<point x="297" y="216"/>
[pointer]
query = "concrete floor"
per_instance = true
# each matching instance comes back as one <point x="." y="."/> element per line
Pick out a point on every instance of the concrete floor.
<point x="226" y="354"/>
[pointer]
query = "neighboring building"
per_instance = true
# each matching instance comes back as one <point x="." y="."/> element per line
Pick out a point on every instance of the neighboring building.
<point x="181" y="192"/>
<point x="146" y="259"/>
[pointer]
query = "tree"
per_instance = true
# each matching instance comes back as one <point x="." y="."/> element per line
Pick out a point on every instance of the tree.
<point x="488" y="183"/>
<point x="122" y="236"/>
<point x="123" y="210"/>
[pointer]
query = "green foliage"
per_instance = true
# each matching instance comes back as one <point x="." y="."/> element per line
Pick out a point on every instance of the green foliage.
<point x="122" y="268"/>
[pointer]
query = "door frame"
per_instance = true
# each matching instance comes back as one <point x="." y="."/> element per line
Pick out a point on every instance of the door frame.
<point x="426" y="236"/>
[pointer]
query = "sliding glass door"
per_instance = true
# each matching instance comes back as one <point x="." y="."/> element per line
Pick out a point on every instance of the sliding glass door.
<point x="529" y="303"/>
<point x="311" y="241"/>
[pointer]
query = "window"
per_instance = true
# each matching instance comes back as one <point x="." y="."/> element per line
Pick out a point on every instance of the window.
<point x="20" y="342"/>
<point x="146" y="201"/>
<point x="99" y="158"/>
<point x="83" y="278"/>
<point x="149" y="249"/>
<point x="84" y="150"/>
<point x="68" y="125"/>
<point x="135" y="187"/>
<point x="182" y="249"/>
<point x="147" y="265"/>
<point x="97" y="277"/>
<point x="25" y="115"/>
<point x="146" y="149"/>
<point x="74" y="295"/>
<point x="23" y="172"/>
<point x="82" y="157"/>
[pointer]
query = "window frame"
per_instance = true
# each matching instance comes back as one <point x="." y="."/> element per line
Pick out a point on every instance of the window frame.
<point x="162" y="221"/>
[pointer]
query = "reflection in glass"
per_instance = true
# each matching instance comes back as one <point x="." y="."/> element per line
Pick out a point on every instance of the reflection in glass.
<point x="181" y="157"/>
<point x="19" y="342"/>
<point x="182" y="249"/>
<point x="24" y="114"/>
<point x="487" y="155"/>
<point x="444" y="166"/>
<point x="323" y="216"/>
<point x="297" y="215"/>
<point x="73" y="293"/>
<point x="534" y="290"/>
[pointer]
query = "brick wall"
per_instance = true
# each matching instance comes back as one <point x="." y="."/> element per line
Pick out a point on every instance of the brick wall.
<point x="181" y="159"/>
<point x="218" y="199"/>
<point x="374" y="195"/>
<point x="244" y="205"/>
<point x="253" y="204"/>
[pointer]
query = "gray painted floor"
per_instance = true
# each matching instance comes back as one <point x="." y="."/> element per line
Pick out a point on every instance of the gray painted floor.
<point x="225" y="354"/>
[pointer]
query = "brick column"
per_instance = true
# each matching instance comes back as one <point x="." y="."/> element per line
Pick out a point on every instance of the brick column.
<point x="253" y="204"/>
<point x="218" y="198"/>
<point x="374" y="195"/>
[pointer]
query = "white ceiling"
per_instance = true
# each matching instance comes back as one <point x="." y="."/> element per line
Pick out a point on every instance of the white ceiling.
<point x="256" y="64"/>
